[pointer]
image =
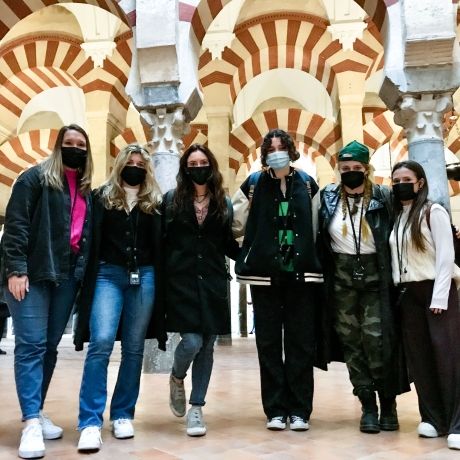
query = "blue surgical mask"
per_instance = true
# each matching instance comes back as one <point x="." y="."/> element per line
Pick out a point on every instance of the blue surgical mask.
<point x="278" y="160"/>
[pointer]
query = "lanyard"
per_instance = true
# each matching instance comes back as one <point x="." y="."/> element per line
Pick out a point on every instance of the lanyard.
<point x="399" y="251"/>
<point x="357" y="241"/>
<point x="134" y="231"/>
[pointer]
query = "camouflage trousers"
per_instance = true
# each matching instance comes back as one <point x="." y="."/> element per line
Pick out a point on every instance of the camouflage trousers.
<point x="358" y="319"/>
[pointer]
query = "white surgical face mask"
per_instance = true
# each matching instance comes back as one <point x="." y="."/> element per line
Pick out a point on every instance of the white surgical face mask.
<point x="278" y="160"/>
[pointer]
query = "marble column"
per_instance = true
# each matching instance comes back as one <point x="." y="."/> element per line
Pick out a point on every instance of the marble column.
<point x="219" y="139"/>
<point x="422" y="120"/>
<point x="102" y="127"/>
<point x="168" y="128"/>
<point x="351" y="88"/>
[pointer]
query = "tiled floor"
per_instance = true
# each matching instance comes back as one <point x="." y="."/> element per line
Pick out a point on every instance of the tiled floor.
<point x="233" y="413"/>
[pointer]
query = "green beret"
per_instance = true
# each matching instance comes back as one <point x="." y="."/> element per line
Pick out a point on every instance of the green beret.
<point x="354" y="151"/>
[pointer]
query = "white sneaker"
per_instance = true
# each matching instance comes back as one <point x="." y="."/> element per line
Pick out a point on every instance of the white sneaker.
<point x="276" y="423"/>
<point x="426" y="430"/>
<point x="32" y="445"/>
<point x="50" y="430"/>
<point x="90" y="439"/>
<point x="122" y="428"/>
<point x="453" y="441"/>
<point x="297" y="423"/>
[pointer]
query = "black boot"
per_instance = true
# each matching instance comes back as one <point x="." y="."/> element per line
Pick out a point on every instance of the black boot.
<point x="388" y="414"/>
<point x="369" y="422"/>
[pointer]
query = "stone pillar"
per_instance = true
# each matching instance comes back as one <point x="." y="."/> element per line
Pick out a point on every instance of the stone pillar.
<point x="168" y="128"/>
<point x="101" y="127"/>
<point x="219" y="139"/>
<point x="351" y="88"/>
<point x="422" y="120"/>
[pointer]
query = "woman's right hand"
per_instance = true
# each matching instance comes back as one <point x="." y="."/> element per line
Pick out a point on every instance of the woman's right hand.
<point x="18" y="286"/>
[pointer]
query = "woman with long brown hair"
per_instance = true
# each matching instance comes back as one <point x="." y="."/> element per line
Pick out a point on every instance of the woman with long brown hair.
<point x="198" y="235"/>
<point x="423" y="267"/>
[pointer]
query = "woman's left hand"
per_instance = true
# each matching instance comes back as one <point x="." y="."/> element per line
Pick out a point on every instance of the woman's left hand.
<point x="436" y="311"/>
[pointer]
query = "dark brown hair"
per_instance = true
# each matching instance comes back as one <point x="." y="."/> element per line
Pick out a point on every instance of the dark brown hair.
<point x="185" y="190"/>
<point x="286" y="141"/>
<point x="417" y="211"/>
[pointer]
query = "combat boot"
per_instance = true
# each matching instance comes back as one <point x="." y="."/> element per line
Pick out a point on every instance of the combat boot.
<point x="369" y="422"/>
<point x="388" y="415"/>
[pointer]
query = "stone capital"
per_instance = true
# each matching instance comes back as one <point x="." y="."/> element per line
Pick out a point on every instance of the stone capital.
<point x="168" y="127"/>
<point x="98" y="50"/>
<point x="422" y="116"/>
<point x="347" y="32"/>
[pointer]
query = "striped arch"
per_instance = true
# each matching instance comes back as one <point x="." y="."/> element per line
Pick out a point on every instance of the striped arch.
<point x="138" y="134"/>
<point x="23" y="151"/>
<point x="34" y="64"/>
<point x="311" y="129"/>
<point x="206" y="10"/>
<point x="198" y="135"/>
<point x="380" y="129"/>
<point x="15" y="10"/>
<point x="285" y="40"/>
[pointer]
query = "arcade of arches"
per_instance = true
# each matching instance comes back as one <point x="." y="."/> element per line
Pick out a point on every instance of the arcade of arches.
<point x="168" y="73"/>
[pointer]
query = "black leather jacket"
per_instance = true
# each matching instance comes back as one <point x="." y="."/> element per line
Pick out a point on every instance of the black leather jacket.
<point x="36" y="239"/>
<point x="379" y="216"/>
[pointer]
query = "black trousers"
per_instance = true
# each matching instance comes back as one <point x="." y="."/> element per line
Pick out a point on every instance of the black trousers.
<point x="285" y="315"/>
<point x="432" y="345"/>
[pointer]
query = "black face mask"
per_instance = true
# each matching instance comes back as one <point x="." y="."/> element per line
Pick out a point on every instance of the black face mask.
<point x="404" y="191"/>
<point x="352" y="179"/>
<point x="133" y="175"/>
<point x="73" y="157"/>
<point x="200" y="174"/>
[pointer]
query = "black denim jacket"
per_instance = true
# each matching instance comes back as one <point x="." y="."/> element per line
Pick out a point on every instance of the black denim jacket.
<point x="36" y="239"/>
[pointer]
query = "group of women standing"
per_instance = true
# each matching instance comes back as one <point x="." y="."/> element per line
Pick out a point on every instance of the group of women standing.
<point x="136" y="265"/>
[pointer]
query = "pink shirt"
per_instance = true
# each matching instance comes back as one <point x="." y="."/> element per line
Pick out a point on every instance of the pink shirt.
<point x="77" y="210"/>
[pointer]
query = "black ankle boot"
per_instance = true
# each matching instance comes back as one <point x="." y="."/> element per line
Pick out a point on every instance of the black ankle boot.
<point x="369" y="422"/>
<point x="388" y="414"/>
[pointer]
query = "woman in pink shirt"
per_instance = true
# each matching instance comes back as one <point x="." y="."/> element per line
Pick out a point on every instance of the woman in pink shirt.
<point x="44" y="253"/>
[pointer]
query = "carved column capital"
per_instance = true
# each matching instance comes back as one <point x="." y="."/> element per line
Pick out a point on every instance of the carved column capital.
<point x="422" y="117"/>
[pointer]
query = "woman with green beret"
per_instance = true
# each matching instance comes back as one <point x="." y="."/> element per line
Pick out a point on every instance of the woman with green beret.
<point x="355" y="222"/>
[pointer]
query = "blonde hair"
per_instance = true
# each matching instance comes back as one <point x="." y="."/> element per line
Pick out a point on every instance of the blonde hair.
<point x="53" y="168"/>
<point x="367" y="195"/>
<point x="113" y="194"/>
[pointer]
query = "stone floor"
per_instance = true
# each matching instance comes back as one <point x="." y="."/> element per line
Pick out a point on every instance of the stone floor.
<point x="236" y="423"/>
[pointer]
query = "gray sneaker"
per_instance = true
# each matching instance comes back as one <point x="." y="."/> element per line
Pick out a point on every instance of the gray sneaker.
<point x="195" y="422"/>
<point x="176" y="397"/>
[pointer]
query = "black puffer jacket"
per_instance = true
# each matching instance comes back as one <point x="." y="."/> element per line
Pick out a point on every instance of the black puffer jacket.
<point x="379" y="216"/>
<point x="36" y="240"/>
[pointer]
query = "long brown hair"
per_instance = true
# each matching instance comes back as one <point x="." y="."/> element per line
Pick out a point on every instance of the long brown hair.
<point x="185" y="190"/>
<point x="53" y="168"/>
<point x="417" y="210"/>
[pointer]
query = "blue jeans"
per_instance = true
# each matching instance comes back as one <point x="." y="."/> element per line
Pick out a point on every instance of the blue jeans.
<point x="39" y="322"/>
<point x="115" y="301"/>
<point x="198" y="348"/>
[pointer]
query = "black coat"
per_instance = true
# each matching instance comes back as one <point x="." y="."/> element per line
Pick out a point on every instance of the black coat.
<point x="36" y="239"/>
<point x="379" y="216"/>
<point x="85" y="299"/>
<point x="196" y="273"/>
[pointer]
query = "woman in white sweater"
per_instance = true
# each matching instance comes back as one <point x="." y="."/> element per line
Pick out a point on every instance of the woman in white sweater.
<point x="423" y="267"/>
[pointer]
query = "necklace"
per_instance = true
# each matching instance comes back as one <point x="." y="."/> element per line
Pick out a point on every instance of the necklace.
<point x="202" y="199"/>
